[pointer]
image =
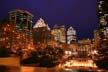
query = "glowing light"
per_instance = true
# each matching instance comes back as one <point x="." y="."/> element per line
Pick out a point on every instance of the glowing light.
<point x="88" y="63"/>
<point x="5" y="29"/>
<point x="40" y="23"/>
<point x="94" y="52"/>
<point x="68" y="52"/>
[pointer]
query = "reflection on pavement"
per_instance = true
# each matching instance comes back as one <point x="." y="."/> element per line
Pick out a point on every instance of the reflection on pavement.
<point x="26" y="69"/>
<point x="40" y="69"/>
<point x="9" y="69"/>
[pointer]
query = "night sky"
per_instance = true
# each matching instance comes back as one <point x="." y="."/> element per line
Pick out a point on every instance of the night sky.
<point x="80" y="14"/>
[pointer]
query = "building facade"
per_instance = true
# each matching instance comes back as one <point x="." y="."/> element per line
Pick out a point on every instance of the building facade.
<point x="103" y="18"/>
<point x="71" y="35"/>
<point x="96" y="38"/>
<point x="41" y="32"/>
<point x="22" y="21"/>
<point x="84" y="48"/>
<point x="59" y="33"/>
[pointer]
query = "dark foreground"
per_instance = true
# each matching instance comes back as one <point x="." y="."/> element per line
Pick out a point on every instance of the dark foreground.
<point x="40" y="69"/>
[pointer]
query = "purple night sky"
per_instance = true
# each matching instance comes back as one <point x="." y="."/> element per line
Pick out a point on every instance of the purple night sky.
<point x="81" y="14"/>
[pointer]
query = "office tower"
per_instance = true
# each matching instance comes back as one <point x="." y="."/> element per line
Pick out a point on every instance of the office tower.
<point x="22" y="21"/>
<point x="41" y="32"/>
<point x="103" y="18"/>
<point x="96" y="38"/>
<point x="59" y="33"/>
<point x="101" y="55"/>
<point x="84" y="48"/>
<point x="71" y="35"/>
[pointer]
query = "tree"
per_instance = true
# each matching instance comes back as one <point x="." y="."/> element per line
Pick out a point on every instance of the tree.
<point x="102" y="56"/>
<point x="4" y="52"/>
<point x="46" y="57"/>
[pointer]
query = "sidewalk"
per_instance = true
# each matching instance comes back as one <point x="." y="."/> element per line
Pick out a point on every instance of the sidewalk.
<point x="9" y="61"/>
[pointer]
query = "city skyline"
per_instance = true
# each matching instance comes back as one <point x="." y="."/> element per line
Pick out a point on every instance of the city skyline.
<point x="79" y="14"/>
<point x="55" y="36"/>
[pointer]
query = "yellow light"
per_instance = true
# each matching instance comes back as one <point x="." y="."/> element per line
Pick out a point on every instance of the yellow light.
<point x="13" y="31"/>
<point x="5" y="29"/>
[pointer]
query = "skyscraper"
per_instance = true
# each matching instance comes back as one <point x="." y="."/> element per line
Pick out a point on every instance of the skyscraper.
<point x="59" y="33"/>
<point x="101" y="54"/>
<point x="22" y="19"/>
<point x="71" y="35"/>
<point x="41" y="32"/>
<point x="22" y="22"/>
<point x="96" y="38"/>
<point x="84" y="47"/>
<point x="103" y="18"/>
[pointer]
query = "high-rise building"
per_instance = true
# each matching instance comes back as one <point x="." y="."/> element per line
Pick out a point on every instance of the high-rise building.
<point x="22" y="21"/>
<point x="40" y="23"/>
<point x="84" y="48"/>
<point x="96" y="38"/>
<point x="59" y="33"/>
<point x="103" y="18"/>
<point x="71" y="35"/>
<point x="41" y="32"/>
